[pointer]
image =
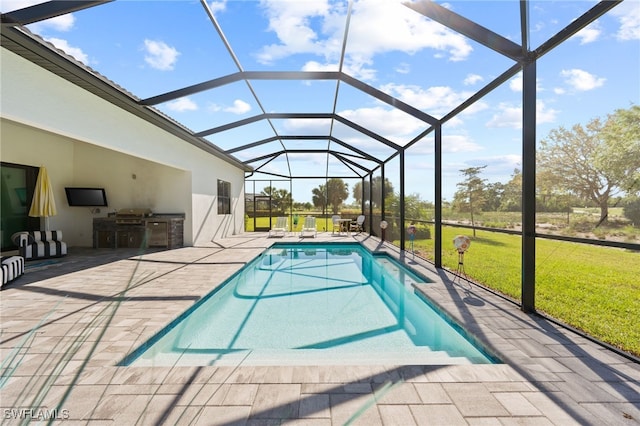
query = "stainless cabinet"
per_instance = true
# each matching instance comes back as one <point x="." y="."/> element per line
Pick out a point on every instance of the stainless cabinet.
<point x="157" y="234"/>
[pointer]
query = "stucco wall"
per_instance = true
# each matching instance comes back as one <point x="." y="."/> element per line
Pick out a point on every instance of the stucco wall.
<point x="86" y="141"/>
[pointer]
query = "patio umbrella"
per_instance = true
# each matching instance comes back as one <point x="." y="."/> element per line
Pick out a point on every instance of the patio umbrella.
<point x="43" y="204"/>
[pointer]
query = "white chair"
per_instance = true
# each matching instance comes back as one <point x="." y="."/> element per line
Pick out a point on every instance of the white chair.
<point x="309" y="226"/>
<point x="358" y="224"/>
<point x="336" y="223"/>
<point x="280" y="226"/>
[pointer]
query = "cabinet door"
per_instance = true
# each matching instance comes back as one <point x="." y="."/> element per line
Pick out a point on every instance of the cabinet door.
<point x="105" y="239"/>
<point x="157" y="235"/>
<point x="122" y="238"/>
<point x="132" y="238"/>
<point x="136" y="238"/>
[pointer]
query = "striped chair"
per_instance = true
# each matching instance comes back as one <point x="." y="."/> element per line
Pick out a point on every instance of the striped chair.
<point x="12" y="268"/>
<point x="40" y="244"/>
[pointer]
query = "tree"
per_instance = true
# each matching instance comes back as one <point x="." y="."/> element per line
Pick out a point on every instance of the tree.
<point x="359" y="193"/>
<point x="471" y="195"/>
<point x="302" y="206"/>
<point x="337" y="192"/>
<point x="414" y="207"/>
<point x="597" y="161"/>
<point x="493" y="194"/>
<point x="280" y="198"/>
<point x="511" y="200"/>
<point x="621" y="134"/>
<point x="319" y="198"/>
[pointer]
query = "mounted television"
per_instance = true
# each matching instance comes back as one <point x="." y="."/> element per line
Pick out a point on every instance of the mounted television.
<point x="86" y="197"/>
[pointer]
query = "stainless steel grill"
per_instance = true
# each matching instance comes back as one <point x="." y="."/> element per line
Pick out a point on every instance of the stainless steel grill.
<point x="132" y="216"/>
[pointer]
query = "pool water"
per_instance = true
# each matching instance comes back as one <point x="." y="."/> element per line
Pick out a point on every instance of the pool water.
<point x="312" y="304"/>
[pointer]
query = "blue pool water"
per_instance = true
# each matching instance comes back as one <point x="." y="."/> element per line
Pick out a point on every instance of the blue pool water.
<point x="312" y="304"/>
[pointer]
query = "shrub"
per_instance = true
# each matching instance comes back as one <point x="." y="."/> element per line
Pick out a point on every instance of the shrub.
<point x="631" y="211"/>
<point x="582" y="224"/>
<point x="496" y="224"/>
<point x="423" y="231"/>
<point x="630" y="233"/>
<point x="392" y="233"/>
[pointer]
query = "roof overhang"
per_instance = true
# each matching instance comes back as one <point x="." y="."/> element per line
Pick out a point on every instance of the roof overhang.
<point x="34" y="49"/>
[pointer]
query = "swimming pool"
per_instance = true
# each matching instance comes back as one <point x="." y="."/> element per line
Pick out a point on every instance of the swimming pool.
<point x="312" y="304"/>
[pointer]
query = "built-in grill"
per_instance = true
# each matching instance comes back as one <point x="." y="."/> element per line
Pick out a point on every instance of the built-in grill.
<point x="132" y="216"/>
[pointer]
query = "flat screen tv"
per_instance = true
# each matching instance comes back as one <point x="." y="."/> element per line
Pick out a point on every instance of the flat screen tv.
<point x="86" y="197"/>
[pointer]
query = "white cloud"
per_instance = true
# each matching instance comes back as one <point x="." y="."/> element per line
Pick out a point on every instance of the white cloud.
<point x="392" y="124"/>
<point x="160" y="55"/>
<point x="589" y="34"/>
<point x="213" y="107"/>
<point x="456" y="121"/>
<point x="501" y="164"/>
<point x="291" y="22"/>
<point x="76" y="52"/>
<point x="451" y="143"/>
<point x="59" y="23"/>
<point x="357" y="70"/>
<point x="318" y="28"/>
<point x="544" y="114"/>
<point x="62" y="23"/>
<point x="458" y="143"/>
<point x="218" y="6"/>
<point x="182" y="104"/>
<point x="391" y="26"/>
<point x="403" y="68"/>
<point x="317" y="66"/>
<point x="437" y="100"/>
<point x="239" y="107"/>
<point x="582" y="80"/>
<point x="510" y="116"/>
<point x="472" y="79"/>
<point x="309" y="126"/>
<point x="515" y="84"/>
<point x="507" y="116"/>
<point x="628" y="13"/>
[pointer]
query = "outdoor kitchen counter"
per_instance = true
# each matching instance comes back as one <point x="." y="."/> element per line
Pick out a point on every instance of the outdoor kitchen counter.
<point x="157" y="230"/>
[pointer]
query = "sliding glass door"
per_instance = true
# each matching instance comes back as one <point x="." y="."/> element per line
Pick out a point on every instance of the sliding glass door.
<point x="16" y="192"/>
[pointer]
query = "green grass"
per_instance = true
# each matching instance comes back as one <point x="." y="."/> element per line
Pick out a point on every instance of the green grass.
<point x="594" y="289"/>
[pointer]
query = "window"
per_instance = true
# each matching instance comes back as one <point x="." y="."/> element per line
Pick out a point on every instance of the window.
<point x="224" y="197"/>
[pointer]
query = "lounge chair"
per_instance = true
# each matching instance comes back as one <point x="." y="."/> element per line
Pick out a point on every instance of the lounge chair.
<point x="336" y="223"/>
<point x="280" y="227"/>
<point x="309" y="226"/>
<point x="358" y="225"/>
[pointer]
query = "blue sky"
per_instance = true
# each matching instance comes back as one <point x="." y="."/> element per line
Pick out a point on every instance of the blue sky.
<point x="152" y="47"/>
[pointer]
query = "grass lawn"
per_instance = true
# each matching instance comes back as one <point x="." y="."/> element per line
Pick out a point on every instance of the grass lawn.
<point x="595" y="289"/>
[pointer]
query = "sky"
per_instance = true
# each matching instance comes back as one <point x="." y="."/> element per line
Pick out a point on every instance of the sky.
<point x="153" y="47"/>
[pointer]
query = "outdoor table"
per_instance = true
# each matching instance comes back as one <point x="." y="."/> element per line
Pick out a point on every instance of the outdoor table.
<point x="344" y="225"/>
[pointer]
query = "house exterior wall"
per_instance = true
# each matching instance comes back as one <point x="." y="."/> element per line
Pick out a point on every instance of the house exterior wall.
<point x="84" y="140"/>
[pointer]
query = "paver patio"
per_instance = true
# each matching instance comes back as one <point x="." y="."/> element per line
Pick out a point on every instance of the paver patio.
<point x="66" y="325"/>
